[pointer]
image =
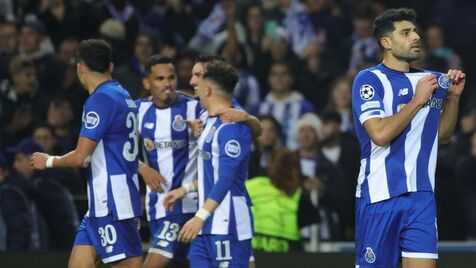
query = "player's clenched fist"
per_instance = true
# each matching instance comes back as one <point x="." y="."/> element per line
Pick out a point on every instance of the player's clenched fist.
<point x="458" y="79"/>
<point x="38" y="160"/>
<point x="424" y="88"/>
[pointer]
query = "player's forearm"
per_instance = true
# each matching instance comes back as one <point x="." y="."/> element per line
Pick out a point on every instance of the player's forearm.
<point x="449" y="118"/>
<point x="384" y="130"/>
<point x="71" y="160"/>
<point x="255" y="125"/>
<point x="210" y="205"/>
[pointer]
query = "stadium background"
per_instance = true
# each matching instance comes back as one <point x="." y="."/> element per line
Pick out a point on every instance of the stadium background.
<point x="325" y="43"/>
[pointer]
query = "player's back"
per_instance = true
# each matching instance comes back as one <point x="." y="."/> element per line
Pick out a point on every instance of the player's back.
<point x="110" y="118"/>
<point x="223" y="156"/>
<point x="170" y="148"/>
<point x="408" y="162"/>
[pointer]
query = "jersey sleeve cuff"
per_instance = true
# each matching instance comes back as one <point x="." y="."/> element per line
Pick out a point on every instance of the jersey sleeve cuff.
<point x="371" y="114"/>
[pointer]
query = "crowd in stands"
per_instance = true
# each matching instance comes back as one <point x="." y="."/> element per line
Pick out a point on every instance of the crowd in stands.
<point x="296" y="60"/>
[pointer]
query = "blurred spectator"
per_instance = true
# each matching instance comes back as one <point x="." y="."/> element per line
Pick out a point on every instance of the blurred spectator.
<point x="49" y="69"/>
<point x="122" y="11"/>
<point x="169" y="18"/>
<point x="21" y="226"/>
<point x="435" y="40"/>
<point x="317" y="75"/>
<point x="184" y="62"/>
<point x="43" y="134"/>
<point x="342" y="150"/>
<point x="266" y="145"/>
<point x="130" y="75"/>
<point x="22" y="101"/>
<point x="464" y="178"/>
<point x="361" y="49"/>
<point x="6" y="10"/>
<point x="324" y="180"/>
<point x="114" y="32"/>
<point x="60" y="20"/>
<point x="60" y="117"/>
<point x="73" y="91"/>
<point x="280" y="207"/>
<point x="67" y="49"/>
<point x="284" y="103"/>
<point x="340" y="100"/>
<point x="54" y="201"/>
<point x="8" y="46"/>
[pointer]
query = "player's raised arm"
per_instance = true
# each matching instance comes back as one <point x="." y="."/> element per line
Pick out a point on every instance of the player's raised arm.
<point x="77" y="158"/>
<point x="367" y="101"/>
<point x="449" y="116"/>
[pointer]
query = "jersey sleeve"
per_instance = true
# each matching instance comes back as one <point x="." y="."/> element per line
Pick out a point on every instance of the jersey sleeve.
<point x="97" y="116"/>
<point x="367" y="97"/>
<point x="234" y="141"/>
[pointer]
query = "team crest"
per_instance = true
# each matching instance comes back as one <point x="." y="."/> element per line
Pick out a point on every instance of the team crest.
<point x="444" y="81"/>
<point x="369" y="255"/>
<point x="210" y="135"/>
<point x="148" y="144"/>
<point x="367" y="92"/>
<point x="179" y="124"/>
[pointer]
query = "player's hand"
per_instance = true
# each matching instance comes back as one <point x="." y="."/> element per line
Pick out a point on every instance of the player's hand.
<point x="196" y="126"/>
<point x="458" y="79"/>
<point x="153" y="179"/>
<point x="190" y="230"/>
<point x="38" y="160"/>
<point x="233" y="115"/>
<point x="313" y="184"/>
<point x="424" y="88"/>
<point x="173" y="196"/>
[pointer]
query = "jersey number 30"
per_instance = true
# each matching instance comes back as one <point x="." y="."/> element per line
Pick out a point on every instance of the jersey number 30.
<point x="130" y="151"/>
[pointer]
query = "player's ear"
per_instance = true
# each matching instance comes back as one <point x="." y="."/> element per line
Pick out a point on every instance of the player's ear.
<point x="386" y="42"/>
<point x="146" y="84"/>
<point x="111" y="67"/>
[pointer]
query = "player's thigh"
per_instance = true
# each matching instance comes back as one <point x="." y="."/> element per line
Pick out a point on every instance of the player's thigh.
<point x="252" y="265"/>
<point x="134" y="262"/>
<point x="377" y="233"/>
<point x="418" y="263"/>
<point x="199" y="253"/>
<point x="83" y="256"/>
<point x="154" y="260"/>
<point x="165" y="236"/>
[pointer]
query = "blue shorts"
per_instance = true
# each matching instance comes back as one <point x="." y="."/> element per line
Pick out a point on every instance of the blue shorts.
<point x="214" y="251"/>
<point x="165" y="232"/>
<point x="403" y="226"/>
<point x="113" y="240"/>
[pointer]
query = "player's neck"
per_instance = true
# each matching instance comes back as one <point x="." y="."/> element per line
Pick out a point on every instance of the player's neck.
<point x="96" y="79"/>
<point x="395" y="64"/>
<point x="217" y="104"/>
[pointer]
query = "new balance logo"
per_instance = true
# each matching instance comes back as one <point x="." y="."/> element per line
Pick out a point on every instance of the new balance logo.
<point x="403" y="92"/>
<point x="149" y="125"/>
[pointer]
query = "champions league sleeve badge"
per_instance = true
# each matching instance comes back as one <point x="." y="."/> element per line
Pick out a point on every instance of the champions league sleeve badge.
<point x="444" y="81"/>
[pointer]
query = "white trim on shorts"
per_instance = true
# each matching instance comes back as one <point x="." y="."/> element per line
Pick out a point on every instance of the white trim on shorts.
<point x="419" y="255"/>
<point x="114" y="258"/>
<point x="162" y="252"/>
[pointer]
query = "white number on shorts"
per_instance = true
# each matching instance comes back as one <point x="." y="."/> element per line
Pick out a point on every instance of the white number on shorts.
<point x="226" y="246"/>
<point x="108" y="235"/>
<point x="131" y="149"/>
<point x="170" y="231"/>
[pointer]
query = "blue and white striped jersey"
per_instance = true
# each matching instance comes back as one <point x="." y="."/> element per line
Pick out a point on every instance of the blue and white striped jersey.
<point x="171" y="149"/>
<point x="223" y="156"/>
<point x="408" y="162"/>
<point x="110" y="118"/>
<point x="287" y="112"/>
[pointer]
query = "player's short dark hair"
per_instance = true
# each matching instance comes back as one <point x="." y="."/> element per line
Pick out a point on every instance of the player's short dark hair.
<point x="223" y="75"/>
<point x="384" y="24"/>
<point x="95" y="54"/>
<point x="209" y="58"/>
<point x="154" y="60"/>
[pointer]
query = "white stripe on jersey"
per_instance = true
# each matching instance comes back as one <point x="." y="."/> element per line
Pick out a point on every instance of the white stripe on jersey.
<point x="143" y="107"/>
<point x="120" y="191"/>
<point x="221" y="216"/>
<point x="361" y="178"/>
<point x="100" y="180"/>
<point x="243" y="220"/>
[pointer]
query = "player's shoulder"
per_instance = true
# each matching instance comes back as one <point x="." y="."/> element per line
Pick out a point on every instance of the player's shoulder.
<point x="368" y="73"/>
<point x="234" y="129"/>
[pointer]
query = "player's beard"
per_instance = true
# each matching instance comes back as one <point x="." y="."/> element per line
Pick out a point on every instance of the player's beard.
<point x="408" y="56"/>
